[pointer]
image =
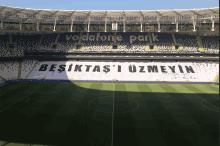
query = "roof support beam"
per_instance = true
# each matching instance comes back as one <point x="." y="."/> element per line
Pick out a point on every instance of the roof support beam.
<point x="72" y="14"/>
<point x="194" y="24"/>
<point x="14" y="14"/>
<point x="71" y="30"/>
<point x="124" y="15"/>
<point x="141" y="18"/>
<point x="141" y="27"/>
<point x="195" y="13"/>
<point x="213" y="11"/>
<point x="88" y="24"/>
<point x="213" y="24"/>
<point x="142" y="15"/>
<point x="106" y="14"/>
<point x="53" y="14"/>
<point x="88" y="15"/>
<point x="158" y="23"/>
<point x="1" y="10"/>
<point x="177" y="30"/>
<point x="159" y="13"/>
<point x="54" y="27"/>
<point x="177" y="13"/>
<point x="25" y="19"/>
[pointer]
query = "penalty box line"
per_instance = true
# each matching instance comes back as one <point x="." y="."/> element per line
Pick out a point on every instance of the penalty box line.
<point x="18" y="101"/>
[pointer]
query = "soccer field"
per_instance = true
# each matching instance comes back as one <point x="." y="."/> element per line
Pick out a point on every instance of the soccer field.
<point x="110" y="114"/>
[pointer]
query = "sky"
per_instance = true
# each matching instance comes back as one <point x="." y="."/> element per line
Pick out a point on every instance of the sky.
<point x="111" y="4"/>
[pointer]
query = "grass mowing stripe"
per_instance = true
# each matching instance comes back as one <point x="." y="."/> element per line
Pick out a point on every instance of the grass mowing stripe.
<point x="189" y="118"/>
<point x="82" y="90"/>
<point x="178" y="88"/>
<point x="142" y="120"/>
<point x="164" y="120"/>
<point x="75" y="95"/>
<point x="123" y="122"/>
<point x="96" y="86"/>
<point x="156" y="88"/>
<point x="143" y="87"/>
<point x="120" y="87"/>
<point x="17" y="86"/>
<point x="73" y="101"/>
<point x="83" y="84"/>
<point x="107" y="86"/>
<point x="182" y="89"/>
<point x="132" y="87"/>
<point x="46" y="112"/>
<point x="46" y="105"/>
<point x="45" y="95"/>
<point x="17" y="94"/>
<point x="193" y="115"/>
<point x="212" y="99"/>
<point x="212" y="87"/>
<point x="17" y="101"/>
<point x="53" y="108"/>
<point x="97" y="122"/>
<point x="215" y="86"/>
<point x="172" y="101"/>
<point x="195" y="89"/>
<point x="203" y="88"/>
<point x="169" y="88"/>
<point x="36" y="100"/>
<point x="135" y="94"/>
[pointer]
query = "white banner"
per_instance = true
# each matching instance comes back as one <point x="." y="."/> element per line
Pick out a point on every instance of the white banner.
<point x="127" y="71"/>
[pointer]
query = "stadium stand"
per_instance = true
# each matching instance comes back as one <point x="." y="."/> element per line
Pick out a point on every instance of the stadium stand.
<point x="188" y="42"/>
<point x="211" y="44"/>
<point x="164" y="43"/>
<point x="46" y="42"/>
<point x="26" y="42"/>
<point x="130" y="41"/>
<point x="97" y="42"/>
<point x="27" y="66"/>
<point x="9" y="69"/>
<point x="64" y="44"/>
<point x="4" y="51"/>
<point x="127" y="42"/>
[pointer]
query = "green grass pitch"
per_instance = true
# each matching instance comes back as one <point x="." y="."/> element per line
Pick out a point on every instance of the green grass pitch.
<point x="110" y="114"/>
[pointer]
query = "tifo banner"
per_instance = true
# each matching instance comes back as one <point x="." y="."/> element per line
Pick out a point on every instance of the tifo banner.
<point x="127" y="71"/>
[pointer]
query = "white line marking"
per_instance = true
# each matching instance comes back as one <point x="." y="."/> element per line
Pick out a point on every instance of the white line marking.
<point x="209" y="103"/>
<point x="18" y="101"/>
<point x="22" y="104"/>
<point x="113" y="113"/>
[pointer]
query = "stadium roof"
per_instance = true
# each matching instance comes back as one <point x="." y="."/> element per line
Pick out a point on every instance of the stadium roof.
<point x="9" y="14"/>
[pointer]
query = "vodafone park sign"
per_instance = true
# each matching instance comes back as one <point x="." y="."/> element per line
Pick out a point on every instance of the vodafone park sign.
<point x="103" y="37"/>
<point x="127" y="71"/>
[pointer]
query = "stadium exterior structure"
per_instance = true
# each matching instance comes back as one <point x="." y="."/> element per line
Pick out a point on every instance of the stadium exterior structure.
<point x="132" y="17"/>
